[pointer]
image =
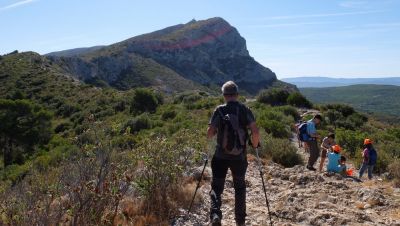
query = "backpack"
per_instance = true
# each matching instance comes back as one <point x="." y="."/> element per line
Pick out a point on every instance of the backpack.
<point x="233" y="134"/>
<point x="303" y="135"/>
<point x="372" y="156"/>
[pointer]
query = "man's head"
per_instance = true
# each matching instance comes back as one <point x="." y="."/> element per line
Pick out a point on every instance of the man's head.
<point x="331" y="136"/>
<point x="230" y="91"/>
<point x="317" y="118"/>
<point x="342" y="159"/>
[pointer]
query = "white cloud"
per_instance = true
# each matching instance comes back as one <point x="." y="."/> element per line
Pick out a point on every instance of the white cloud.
<point x="287" y="24"/>
<point x="289" y="17"/>
<point x="353" y="4"/>
<point x="17" y="4"/>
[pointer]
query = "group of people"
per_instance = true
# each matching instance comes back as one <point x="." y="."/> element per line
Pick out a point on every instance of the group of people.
<point x="230" y="122"/>
<point x="331" y="150"/>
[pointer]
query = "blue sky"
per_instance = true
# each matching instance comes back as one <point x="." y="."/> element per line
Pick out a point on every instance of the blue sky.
<point x="337" y="38"/>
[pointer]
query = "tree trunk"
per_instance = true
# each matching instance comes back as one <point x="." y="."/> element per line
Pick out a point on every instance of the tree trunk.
<point x="7" y="152"/>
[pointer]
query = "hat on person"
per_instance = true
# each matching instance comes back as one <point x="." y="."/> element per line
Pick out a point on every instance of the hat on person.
<point x="367" y="141"/>
<point x="229" y="88"/>
<point x="336" y="148"/>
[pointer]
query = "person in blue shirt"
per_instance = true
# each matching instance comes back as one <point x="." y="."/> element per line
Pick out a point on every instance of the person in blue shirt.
<point x="335" y="161"/>
<point x="312" y="141"/>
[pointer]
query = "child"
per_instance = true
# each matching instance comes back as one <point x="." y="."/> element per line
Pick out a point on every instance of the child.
<point x="326" y="146"/>
<point x="334" y="163"/>
<point x="297" y="125"/>
<point x="342" y="166"/>
<point x="370" y="156"/>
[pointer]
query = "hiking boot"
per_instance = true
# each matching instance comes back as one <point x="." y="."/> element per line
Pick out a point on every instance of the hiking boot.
<point x="215" y="220"/>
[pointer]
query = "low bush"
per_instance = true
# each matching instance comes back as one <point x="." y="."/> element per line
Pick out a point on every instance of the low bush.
<point x="394" y="170"/>
<point x="144" y="100"/>
<point x="280" y="151"/>
<point x="275" y="122"/>
<point x="138" y="123"/>
<point x="168" y="114"/>
<point x="351" y="141"/>
<point x="164" y="160"/>
<point x="290" y="111"/>
<point x="274" y="96"/>
<point x="298" y="100"/>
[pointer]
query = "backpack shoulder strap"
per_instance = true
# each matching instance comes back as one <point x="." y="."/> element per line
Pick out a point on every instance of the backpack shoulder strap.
<point x="242" y="115"/>
<point x="219" y="110"/>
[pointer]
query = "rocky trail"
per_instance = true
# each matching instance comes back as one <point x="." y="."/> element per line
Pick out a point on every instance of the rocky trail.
<point x="301" y="197"/>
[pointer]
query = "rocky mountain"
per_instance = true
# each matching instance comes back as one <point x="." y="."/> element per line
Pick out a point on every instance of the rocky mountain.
<point x="207" y="52"/>
<point x="74" y="52"/>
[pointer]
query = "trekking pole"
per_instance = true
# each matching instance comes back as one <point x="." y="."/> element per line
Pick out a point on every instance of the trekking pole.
<point x="263" y="184"/>
<point x="205" y="158"/>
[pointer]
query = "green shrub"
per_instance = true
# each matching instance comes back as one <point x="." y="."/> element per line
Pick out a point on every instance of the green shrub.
<point x="298" y="100"/>
<point x="382" y="162"/>
<point x="65" y="110"/>
<point x="275" y="122"/>
<point x="119" y="106"/>
<point x="15" y="173"/>
<point x="164" y="161"/>
<point x="280" y="151"/>
<point x="143" y="100"/>
<point x="394" y="170"/>
<point x="351" y="141"/>
<point x="168" y="114"/>
<point x="274" y="97"/>
<point x="63" y="126"/>
<point x="290" y="111"/>
<point x="275" y="128"/>
<point x="344" y="109"/>
<point x="138" y="123"/>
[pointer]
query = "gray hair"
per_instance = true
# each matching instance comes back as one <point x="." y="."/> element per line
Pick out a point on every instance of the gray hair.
<point x="229" y="88"/>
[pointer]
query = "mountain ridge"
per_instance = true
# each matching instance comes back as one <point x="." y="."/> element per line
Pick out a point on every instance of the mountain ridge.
<point x="206" y="53"/>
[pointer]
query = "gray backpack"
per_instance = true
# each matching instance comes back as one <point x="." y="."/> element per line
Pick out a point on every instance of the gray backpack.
<point x="233" y="135"/>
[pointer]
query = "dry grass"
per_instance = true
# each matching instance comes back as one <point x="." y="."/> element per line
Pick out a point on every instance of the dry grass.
<point x="135" y="212"/>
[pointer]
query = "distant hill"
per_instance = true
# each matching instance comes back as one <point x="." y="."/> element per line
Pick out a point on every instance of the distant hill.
<point x="74" y="52"/>
<point x="377" y="99"/>
<point x="199" y="53"/>
<point x="303" y="82"/>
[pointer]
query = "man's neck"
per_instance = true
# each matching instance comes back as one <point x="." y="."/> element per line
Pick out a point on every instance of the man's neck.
<point x="231" y="100"/>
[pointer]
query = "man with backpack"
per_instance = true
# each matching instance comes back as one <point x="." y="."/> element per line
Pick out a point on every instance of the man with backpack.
<point x="308" y="133"/>
<point x="230" y="122"/>
<point x="369" y="158"/>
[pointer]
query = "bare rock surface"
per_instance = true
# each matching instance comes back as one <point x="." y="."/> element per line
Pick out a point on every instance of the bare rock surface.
<point x="301" y="197"/>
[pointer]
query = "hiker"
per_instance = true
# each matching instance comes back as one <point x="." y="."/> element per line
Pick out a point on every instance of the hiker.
<point x="326" y="147"/>
<point x="369" y="158"/>
<point x="230" y="122"/>
<point x="336" y="164"/>
<point x="342" y="166"/>
<point x="312" y="141"/>
<point x="297" y="125"/>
